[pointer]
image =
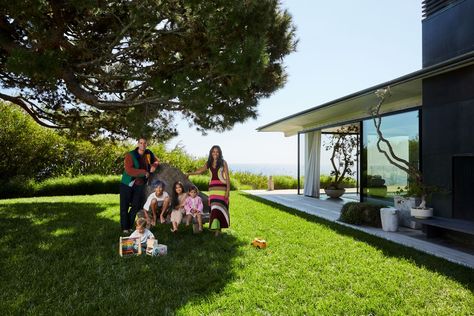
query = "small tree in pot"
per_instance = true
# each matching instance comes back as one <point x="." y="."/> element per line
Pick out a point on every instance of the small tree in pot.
<point x="343" y="145"/>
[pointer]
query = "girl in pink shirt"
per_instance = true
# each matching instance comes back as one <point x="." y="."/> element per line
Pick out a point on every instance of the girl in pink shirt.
<point x="193" y="207"/>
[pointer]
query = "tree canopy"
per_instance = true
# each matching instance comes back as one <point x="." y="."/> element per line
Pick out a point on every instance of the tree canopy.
<point x="123" y="68"/>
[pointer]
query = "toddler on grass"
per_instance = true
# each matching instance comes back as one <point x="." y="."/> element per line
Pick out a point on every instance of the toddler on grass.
<point x="142" y="232"/>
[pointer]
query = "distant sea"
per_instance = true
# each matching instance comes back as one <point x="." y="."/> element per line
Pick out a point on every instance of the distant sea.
<point x="269" y="169"/>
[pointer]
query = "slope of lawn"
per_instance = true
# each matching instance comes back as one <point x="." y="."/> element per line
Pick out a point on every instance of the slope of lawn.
<point x="59" y="255"/>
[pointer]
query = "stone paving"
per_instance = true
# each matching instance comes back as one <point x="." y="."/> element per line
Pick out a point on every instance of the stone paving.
<point x="329" y="209"/>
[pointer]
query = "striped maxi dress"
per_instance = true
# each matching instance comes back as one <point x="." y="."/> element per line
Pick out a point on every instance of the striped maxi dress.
<point x="218" y="204"/>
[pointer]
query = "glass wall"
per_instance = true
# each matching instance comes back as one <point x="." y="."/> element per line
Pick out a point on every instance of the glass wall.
<point x="380" y="179"/>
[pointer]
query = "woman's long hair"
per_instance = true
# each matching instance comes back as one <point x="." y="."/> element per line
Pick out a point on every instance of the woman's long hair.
<point x="174" y="196"/>
<point x="220" y="159"/>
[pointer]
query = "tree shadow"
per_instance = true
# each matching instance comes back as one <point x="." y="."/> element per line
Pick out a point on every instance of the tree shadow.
<point x="64" y="257"/>
<point x="461" y="274"/>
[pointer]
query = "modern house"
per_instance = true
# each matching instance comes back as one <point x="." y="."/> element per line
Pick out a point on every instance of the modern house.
<point x="429" y="118"/>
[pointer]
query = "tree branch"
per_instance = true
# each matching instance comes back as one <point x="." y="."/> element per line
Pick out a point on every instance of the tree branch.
<point x="20" y="102"/>
<point x="396" y="161"/>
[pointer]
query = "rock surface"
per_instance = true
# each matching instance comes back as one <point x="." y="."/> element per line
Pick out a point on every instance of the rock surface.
<point x="169" y="175"/>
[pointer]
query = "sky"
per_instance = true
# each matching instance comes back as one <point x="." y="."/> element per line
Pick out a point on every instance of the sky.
<point x="344" y="46"/>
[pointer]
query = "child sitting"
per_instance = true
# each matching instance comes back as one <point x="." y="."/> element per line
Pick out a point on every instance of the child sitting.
<point x="142" y="232"/>
<point x="177" y="205"/>
<point x="159" y="199"/>
<point x="193" y="207"/>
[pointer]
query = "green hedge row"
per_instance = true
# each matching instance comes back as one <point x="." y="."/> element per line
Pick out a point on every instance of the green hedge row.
<point x="97" y="184"/>
<point x="253" y="181"/>
<point x="202" y="183"/>
<point x="88" y="184"/>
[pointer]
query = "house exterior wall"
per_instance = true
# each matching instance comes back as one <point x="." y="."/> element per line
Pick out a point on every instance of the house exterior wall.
<point x="447" y="130"/>
<point x="447" y="127"/>
<point x="448" y="33"/>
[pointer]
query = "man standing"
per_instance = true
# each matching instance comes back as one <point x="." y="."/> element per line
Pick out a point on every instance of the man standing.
<point x="139" y="163"/>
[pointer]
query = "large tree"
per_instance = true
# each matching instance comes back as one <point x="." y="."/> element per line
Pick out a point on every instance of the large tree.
<point x="122" y="68"/>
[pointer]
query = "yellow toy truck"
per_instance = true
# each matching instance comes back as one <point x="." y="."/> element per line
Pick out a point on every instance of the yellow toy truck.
<point x="259" y="243"/>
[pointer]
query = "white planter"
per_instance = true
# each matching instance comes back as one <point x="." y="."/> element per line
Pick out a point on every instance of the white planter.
<point x="334" y="193"/>
<point x="422" y="213"/>
<point x="389" y="217"/>
<point x="404" y="206"/>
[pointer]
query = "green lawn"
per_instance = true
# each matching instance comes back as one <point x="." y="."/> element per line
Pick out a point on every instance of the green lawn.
<point x="60" y="255"/>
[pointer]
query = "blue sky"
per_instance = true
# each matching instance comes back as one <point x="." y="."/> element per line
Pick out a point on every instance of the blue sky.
<point x="344" y="46"/>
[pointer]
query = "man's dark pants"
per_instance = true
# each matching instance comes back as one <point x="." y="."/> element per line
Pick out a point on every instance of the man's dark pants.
<point x="130" y="195"/>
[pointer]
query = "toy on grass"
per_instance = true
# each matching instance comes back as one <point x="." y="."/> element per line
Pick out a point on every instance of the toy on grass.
<point x="153" y="248"/>
<point x="129" y="246"/>
<point x="259" y="243"/>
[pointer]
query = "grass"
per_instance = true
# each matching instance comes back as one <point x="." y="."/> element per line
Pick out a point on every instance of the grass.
<point x="59" y="255"/>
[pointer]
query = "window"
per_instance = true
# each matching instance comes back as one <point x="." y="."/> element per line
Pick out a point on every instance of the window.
<point x="381" y="179"/>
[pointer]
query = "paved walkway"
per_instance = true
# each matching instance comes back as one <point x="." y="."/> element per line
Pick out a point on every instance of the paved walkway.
<point x="329" y="209"/>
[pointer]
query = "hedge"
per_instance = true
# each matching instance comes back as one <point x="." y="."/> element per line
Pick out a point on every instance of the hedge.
<point x="89" y="184"/>
<point x="82" y="185"/>
<point x="361" y="213"/>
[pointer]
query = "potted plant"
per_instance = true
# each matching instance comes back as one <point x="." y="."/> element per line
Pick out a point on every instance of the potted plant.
<point x="416" y="187"/>
<point x="412" y="201"/>
<point x="404" y="202"/>
<point x="343" y="145"/>
<point x="424" y="192"/>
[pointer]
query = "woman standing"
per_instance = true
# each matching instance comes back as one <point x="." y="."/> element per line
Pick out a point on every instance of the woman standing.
<point x="219" y="188"/>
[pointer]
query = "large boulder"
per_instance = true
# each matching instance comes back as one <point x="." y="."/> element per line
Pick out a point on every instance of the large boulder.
<point x="169" y="175"/>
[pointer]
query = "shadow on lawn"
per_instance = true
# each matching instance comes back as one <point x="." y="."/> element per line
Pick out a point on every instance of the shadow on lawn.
<point x="63" y="257"/>
<point x="461" y="274"/>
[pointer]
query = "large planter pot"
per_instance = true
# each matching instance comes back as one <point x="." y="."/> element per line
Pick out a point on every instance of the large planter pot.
<point x="404" y="205"/>
<point x="422" y="213"/>
<point x="389" y="218"/>
<point x="334" y="193"/>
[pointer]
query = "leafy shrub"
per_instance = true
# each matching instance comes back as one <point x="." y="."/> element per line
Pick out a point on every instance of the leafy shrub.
<point x="178" y="157"/>
<point x="325" y="180"/>
<point x="349" y="183"/>
<point x="33" y="151"/>
<point x="19" y="186"/>
<point x="202" y="183"/>
<point x="255" y="181"/>
<point x="285" y="182"/>
<point x="28" y="150"/>
<point x="84" y="157"/>
<point x="351" y="213"/>
<point x="358" y="213"/>
<point x="89" y="184"/>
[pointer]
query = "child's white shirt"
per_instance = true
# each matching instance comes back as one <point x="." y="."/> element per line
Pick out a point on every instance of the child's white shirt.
<point x="147" y="234"/>
<point x="152" y="196"/>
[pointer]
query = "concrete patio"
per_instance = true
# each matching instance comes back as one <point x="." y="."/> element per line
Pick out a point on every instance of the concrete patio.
<point x="329" y="209"/>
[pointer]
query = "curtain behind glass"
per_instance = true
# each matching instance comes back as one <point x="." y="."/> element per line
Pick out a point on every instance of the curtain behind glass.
<point x="312" y="163"/>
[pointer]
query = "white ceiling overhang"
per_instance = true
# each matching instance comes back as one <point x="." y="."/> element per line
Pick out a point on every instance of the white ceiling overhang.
<point x="406" y="93"/>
